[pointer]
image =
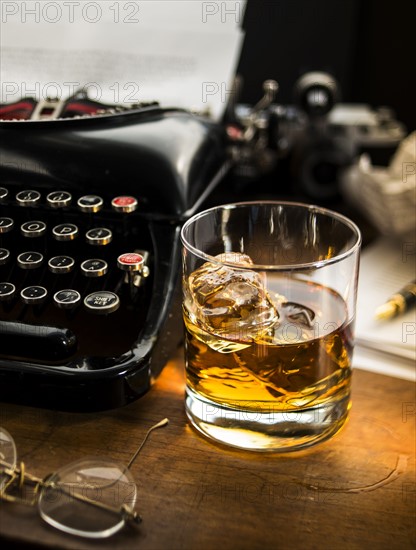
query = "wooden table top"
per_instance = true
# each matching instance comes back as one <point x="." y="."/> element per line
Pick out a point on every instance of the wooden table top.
<point x="354" y="491"/>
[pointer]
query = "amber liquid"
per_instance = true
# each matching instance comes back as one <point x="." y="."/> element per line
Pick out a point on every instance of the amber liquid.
<point x="290" y="366"/>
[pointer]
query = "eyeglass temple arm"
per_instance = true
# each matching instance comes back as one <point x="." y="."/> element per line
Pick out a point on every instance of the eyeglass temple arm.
<point x="126" y="511"/>
<point x="160" y="424"/>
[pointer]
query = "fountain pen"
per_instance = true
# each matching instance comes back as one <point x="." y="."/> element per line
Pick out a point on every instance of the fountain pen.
<point x="398" y="303"/>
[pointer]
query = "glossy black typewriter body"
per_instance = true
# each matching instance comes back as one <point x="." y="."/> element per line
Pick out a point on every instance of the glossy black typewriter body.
<point x="90" y="215"/>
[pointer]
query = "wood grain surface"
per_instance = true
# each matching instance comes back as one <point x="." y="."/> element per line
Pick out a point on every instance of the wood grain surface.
<point x="355" y="491"/>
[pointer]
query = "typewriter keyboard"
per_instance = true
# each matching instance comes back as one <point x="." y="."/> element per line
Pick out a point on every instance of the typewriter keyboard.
<point x="76" y="273"/>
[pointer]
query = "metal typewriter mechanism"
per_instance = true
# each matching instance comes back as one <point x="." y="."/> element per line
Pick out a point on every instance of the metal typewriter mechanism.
<point x="92" y="198"/>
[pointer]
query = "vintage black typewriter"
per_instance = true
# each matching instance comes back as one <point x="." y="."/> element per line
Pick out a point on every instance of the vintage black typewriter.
<point x="92" y="198"/>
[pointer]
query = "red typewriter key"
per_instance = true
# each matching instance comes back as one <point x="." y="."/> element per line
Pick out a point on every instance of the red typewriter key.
<point x="124" y="204"/>
<point x="130" y="261"/>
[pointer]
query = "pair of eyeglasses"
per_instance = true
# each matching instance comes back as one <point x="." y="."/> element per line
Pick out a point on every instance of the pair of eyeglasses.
<point x="92" y="498"/>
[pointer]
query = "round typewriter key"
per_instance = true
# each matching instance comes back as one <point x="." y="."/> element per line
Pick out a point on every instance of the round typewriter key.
<point x="29" y="260"/>
<point x="33" y="294"/>
<point x="33" y="229"/>
<point x="90" y="203"/>
<point x="130" y="261"/>
<point x="7" y="291"/>
<point x="3" y="194"/>
<point x="94" y="268"/>
<point x="6" y="225"/>
<point x="4" y="255"/>
<point x="65" y="232"/>
<point x="61" y="264"/>
<point x="124" y="204"/>
<point x="99" y="236"/>
<point x="59" y="199"/>
<point x="67" y="299"/>
<point x="102" y="302"/>
<point x="28" y="197"/>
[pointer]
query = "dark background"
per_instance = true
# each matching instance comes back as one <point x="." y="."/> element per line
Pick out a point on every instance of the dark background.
<point x="367" y="45"/>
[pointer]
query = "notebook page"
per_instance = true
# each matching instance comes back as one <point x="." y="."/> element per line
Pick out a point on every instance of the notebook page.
<point x="385" y="268"/>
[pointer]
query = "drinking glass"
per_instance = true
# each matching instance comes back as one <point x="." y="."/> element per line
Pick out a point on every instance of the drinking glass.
<point x="269" y="297"/>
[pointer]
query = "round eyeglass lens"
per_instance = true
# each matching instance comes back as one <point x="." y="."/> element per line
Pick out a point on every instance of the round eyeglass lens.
<point x="85" y="498"/>
<point x="8" y="454"/>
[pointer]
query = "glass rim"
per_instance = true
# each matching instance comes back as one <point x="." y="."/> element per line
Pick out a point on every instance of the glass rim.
<point x="268" y="267"/>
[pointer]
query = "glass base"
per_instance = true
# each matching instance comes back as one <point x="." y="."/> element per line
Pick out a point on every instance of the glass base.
<point x="276" y="431"/>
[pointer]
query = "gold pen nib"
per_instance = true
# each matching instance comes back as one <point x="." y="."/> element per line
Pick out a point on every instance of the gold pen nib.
<point x="386" y="311"/>
<point x="398" y="303"/>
